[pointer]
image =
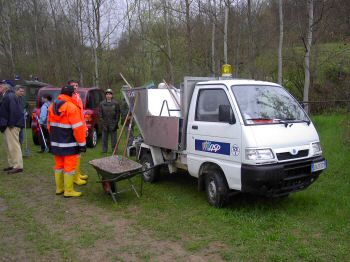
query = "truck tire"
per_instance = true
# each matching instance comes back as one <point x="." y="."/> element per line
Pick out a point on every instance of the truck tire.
<point x="216" y="188"/>
<point x="147" y="162"/>
<point x="92" y="139"/>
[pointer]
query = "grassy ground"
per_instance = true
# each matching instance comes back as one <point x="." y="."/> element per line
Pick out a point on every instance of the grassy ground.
<point x="172" y="221"/>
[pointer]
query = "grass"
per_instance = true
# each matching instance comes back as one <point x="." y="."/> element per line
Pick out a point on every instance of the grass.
<point x="312" y="225"/>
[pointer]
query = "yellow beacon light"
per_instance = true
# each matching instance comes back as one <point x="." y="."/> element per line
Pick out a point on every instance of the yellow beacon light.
<point x="226" y="70"/>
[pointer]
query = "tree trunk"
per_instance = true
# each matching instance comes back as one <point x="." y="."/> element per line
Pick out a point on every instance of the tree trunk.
<point x="189" y="37"/>
<point x="213" y="29"/>
<point x="227" y="7"/>
<point x="251" y="56"/>
<point x="308" y="43"/>
<point x="167" y="35"/>
<point x="9" y="42"/>
<point x="238" y="50"/>
<point x="280" y="44"/>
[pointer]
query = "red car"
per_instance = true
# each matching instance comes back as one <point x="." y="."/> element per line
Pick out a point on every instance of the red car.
<point x="91" y="98"/>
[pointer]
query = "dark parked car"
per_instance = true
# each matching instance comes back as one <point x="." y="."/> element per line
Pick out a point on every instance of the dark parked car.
<point x="91" y="98"/>
<point x="31" y="88"/>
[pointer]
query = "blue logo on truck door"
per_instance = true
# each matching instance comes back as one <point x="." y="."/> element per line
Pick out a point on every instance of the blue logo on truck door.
<point x="212" y="147"/>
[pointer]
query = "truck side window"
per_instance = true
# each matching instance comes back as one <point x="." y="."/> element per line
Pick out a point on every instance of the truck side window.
<point x="208" y="101"/>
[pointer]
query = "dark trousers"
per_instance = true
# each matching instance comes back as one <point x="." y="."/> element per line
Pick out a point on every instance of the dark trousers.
<point x="46" y="137"/>
<point x="105" y="134"/>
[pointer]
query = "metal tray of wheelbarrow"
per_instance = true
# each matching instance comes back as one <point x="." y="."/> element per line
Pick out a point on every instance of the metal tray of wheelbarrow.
<point x="117" y="168"/>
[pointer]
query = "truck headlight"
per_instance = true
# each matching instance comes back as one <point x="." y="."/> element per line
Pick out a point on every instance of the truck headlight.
<point x="258" y="154"/>
<point x="316" y="148"/>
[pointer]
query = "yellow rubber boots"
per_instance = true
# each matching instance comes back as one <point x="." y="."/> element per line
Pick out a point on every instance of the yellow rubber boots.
<point x="77" y="177"/>
<point x="59" y="183"/>
<point x="69" y="186"/>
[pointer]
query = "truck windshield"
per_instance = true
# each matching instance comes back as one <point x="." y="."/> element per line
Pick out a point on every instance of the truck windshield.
<point x="262" y="104"/>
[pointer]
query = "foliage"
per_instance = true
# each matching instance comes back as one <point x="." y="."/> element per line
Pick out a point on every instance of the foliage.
<point x="56" y="40"/>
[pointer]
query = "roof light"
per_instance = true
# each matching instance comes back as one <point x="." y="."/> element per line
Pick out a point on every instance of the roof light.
<point x="226" y="70"/>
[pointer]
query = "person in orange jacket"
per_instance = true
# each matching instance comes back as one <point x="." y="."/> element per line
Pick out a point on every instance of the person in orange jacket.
<point x="79" y="178"/>
<point x="68" y="140"/>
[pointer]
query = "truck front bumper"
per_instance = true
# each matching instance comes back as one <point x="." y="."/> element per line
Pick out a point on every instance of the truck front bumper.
<point x="278" y="180"/>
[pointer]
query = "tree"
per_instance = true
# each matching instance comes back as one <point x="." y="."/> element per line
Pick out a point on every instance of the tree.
<point x="307" y="57"/>
<point x="227" y="7"/>
<point x="280" y="43"/>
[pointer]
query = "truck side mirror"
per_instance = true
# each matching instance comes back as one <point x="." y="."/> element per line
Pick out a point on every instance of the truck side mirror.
<point x="226" y="114"/>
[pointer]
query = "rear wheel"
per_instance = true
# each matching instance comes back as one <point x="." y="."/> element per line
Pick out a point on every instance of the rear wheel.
<point x="92" y="138"/>
<point x="147" y="162"/>
<point x="216" y="188"/>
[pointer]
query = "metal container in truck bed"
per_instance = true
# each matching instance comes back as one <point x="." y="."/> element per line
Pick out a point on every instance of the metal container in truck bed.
<point x="161" y="114"/>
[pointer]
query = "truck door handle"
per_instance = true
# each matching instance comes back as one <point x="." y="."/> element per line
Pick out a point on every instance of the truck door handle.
<point x="194" y="127"/>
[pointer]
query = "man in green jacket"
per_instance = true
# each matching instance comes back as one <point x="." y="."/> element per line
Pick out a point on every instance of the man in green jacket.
<point x="110" y="113"/>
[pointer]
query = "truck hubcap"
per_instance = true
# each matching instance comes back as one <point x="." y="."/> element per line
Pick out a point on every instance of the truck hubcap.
<point x="212" y="189"/>
<point x="147" y="174"/>
<point x="94" y="138"/>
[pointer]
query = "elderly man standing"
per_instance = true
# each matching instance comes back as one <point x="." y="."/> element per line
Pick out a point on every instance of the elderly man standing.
<point x="11" y="122"/>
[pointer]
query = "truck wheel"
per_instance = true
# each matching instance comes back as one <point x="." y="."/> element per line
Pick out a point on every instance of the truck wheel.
<point x="147" y="162"/>
<point x="92" y="138"/>
<point x="216" y="188"/>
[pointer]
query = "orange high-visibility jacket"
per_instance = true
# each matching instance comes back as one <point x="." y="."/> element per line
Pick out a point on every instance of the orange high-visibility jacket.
<point x="66" y="127"/>
<point x="77" y="98"/>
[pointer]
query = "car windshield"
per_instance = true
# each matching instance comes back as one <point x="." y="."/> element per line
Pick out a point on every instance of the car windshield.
<point x="54" y="94"/>
<point x="262" y="104"/>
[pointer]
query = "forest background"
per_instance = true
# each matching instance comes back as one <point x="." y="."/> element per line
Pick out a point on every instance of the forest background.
<point x="151" y="40"/>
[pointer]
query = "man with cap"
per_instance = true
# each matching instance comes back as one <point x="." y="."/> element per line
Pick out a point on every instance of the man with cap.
<point x="79" y="178"/>
<point x="68" y="140"/>
<point x="11" y="122"/>
<point x="109" y="113"/>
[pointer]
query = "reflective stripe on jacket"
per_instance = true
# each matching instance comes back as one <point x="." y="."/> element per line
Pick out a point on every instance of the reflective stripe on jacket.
<point x="66" y="127"/>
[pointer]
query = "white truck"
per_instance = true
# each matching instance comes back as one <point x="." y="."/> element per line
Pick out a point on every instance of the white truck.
<point x="233" y="135"/>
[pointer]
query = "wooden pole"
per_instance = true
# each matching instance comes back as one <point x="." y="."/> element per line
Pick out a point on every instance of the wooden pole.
<point x="130" y="123"/>
<point x="129" y="115"/>
<point x="125" y="81"/>
<point x="120" y="135"/>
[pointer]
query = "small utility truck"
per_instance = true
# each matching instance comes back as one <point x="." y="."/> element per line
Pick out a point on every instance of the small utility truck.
<point x="233" y="135"/>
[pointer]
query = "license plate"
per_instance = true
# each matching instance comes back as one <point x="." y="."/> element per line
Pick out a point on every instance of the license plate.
<point x="318" y="166"/>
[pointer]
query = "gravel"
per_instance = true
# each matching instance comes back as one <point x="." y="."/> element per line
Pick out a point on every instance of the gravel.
<point x="115" y="164"/>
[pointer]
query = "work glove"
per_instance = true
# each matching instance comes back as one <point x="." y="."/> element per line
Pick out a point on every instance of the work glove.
<point x="82" y="149"/>
<point x="2" y="129"/>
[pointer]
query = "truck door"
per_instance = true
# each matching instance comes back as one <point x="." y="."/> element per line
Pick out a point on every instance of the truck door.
<point x="212" y="140"/>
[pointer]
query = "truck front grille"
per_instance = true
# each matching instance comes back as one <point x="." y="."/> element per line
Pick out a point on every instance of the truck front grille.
<point x="297" y="176"/>
<point x="288" y="155"/>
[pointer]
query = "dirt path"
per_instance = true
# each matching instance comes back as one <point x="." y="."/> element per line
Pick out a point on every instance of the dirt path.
<point x="75" y="229"/>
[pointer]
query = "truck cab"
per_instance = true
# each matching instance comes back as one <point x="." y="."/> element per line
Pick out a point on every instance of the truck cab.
<point x="233" y="135"/>
<point x="255" y="138"/>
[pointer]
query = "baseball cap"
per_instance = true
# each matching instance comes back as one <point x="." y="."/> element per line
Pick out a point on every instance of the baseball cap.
<point x="67" y="90"/>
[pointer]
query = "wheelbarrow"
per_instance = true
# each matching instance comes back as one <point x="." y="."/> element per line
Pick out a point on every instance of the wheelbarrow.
<point x="116" y="168"/>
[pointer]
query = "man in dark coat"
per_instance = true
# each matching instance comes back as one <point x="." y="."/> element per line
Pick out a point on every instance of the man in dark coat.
<point x="11" y="122"/>
<point x="110" y="112"/>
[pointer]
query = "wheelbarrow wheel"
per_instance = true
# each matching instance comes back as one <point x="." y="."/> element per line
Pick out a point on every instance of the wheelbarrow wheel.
<point x="109" y="186"/>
